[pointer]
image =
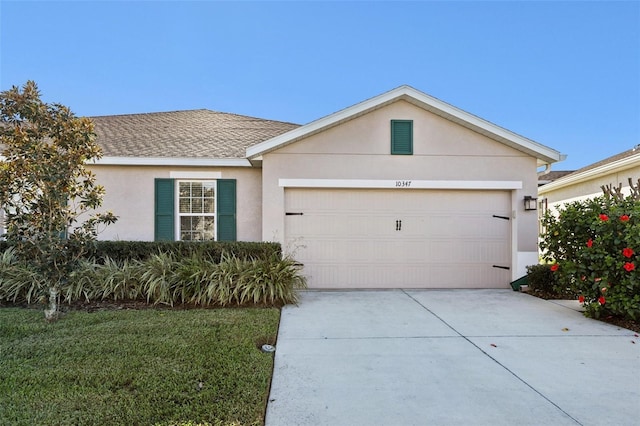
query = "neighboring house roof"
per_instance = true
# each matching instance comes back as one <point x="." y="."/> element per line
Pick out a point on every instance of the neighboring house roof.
<point x="195" y="134"/>
<point x="615" y="163"/>
<point x="552" y="176"/>
<point x="544" y="154"/>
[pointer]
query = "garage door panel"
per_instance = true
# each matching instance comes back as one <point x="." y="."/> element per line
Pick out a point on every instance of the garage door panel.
<point x="463" y="225"/>
<point x="391" y="238"/>
<point x="414" y="276"/>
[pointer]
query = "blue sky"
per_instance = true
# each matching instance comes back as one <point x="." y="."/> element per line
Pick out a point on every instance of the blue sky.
<point x="565" y="74"/>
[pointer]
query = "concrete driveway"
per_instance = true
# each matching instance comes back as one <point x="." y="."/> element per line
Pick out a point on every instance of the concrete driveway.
<point x="450" y="357"/>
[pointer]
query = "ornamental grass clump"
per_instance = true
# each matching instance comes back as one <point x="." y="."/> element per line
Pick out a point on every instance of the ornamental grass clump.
<point x="162" y="279"/>
<point x="593" y="247"/>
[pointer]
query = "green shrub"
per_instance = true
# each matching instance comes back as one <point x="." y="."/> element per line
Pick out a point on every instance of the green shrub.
<point x="120" y="251"/>
<point x="269" y="281"/>
<point x="141" y="250"/>
<point x="592" y="246"/>
<point x="163" y="278"/>
<point x="540" y="277"/>
<point x="20" y="283"/>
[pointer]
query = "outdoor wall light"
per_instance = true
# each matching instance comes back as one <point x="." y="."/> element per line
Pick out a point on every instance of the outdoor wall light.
<point x="530" y="203"/>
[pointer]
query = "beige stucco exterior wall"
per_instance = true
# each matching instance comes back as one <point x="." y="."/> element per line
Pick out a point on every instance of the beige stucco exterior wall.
<point x="588" y="188"/>
<point x="442" y="150"/>
<point x="130" y="195"/>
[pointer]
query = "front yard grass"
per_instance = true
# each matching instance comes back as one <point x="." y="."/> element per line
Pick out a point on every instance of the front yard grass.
<point x="136" y="367"/>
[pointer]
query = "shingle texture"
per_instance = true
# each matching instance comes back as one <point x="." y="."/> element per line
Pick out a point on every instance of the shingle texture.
<point x="617" y="157"/>
<point x="184" y="134"/>
<point x="553" y="175"/>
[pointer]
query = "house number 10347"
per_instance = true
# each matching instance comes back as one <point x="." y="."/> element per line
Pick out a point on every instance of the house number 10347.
<point x="403" y="183"/>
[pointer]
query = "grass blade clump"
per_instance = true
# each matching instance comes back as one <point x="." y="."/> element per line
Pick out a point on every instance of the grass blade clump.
<point x="196" y="279"/>
<point x="157" y="277"/>
<point x="19" y="283"/>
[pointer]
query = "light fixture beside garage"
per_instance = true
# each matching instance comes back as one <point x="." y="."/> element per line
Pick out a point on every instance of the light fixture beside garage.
<point x="530" y="203"/>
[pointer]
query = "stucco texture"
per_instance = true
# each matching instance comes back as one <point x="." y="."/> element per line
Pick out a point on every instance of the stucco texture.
<point x="130" y="195"/>
<point x="360" y="149"/>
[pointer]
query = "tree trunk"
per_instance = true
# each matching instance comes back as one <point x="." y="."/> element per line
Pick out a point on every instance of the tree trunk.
<point x="52" y="314"/>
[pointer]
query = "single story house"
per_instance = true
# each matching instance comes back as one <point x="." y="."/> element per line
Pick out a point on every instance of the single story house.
<point x="401" y="190"/>
<point x="588" y="181"/>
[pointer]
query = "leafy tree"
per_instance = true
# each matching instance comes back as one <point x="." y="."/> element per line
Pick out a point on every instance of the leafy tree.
<point x="48" y="195"/>
<point x="593" y="247"/>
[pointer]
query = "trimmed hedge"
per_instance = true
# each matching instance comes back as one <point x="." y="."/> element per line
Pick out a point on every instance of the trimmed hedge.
<point x="542" y="278"/>
<point x="120" y="251"/>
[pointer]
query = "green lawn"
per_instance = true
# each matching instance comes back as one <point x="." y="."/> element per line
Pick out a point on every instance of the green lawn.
<point x="135" y="367"/>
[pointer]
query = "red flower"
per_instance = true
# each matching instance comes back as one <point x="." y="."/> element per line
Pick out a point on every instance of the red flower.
<point x="602" y="300"/>
<point x="624" y="218"/>
<point x="627" y="252"/>
<point x="604" y="217"/>
<point x="581" y="299"/>
<point x="554" y="267"/>
<point x="590" y="243"/>
<point x="629" y="266"/>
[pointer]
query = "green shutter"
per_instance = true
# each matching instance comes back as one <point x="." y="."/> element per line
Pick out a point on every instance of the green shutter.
<point x="226" y="213"/>
<point x="402" y="137"/>
<point x="164" y="210"/>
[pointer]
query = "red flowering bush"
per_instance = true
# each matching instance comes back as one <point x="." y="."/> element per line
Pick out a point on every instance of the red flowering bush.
<point x="592" y="246"/>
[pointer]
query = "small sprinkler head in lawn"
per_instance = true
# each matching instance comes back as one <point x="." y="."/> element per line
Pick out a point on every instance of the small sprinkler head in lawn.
<point x="268" y="348"/>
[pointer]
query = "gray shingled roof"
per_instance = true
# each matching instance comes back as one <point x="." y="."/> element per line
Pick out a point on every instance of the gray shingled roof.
<point x="553" y="175"/>
<point x="621" y="156"/>
<point x="183" y="134"/>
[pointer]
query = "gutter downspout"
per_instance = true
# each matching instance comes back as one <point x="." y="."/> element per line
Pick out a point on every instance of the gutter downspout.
<point x="547" y="169"/>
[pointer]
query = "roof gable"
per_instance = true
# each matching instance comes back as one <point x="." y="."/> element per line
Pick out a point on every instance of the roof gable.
<point x="543" y="153"/>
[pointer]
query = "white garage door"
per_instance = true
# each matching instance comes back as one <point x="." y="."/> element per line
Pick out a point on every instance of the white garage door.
<point x="373" y="238"/>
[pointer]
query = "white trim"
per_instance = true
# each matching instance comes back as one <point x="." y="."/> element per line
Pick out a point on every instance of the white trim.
<point x="524" y="259"/>
<point x="449" y="112"/>
<point x="178" y="215"/>
<point x="195" y="175"/>
<point x="613" y="167"/>
<point x="165" y="161"/>
<point x="399" y="184"/>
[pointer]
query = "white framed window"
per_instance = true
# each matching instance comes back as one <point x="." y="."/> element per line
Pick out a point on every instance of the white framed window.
<point x="196" y="208"/>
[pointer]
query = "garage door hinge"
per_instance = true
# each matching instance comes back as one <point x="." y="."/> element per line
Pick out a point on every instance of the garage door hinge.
<point x="293" y="214"/>
<point x="501" y="217"/>
<point x="501" y="267"/>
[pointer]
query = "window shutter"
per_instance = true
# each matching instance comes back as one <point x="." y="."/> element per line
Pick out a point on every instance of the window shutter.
<point x="402" y="137"/>
<point x="226" y="212"/>
<point x="164" y="210"/>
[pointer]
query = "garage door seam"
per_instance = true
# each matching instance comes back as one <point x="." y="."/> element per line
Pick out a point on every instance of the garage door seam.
<point x="492" y="358"/>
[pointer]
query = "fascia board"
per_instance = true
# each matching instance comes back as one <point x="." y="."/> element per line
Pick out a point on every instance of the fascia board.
<point x="573" y="178"/>
<point x="434" y="105"/>
<point x="485" y="127"/>
<point x="165" y="161"/>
